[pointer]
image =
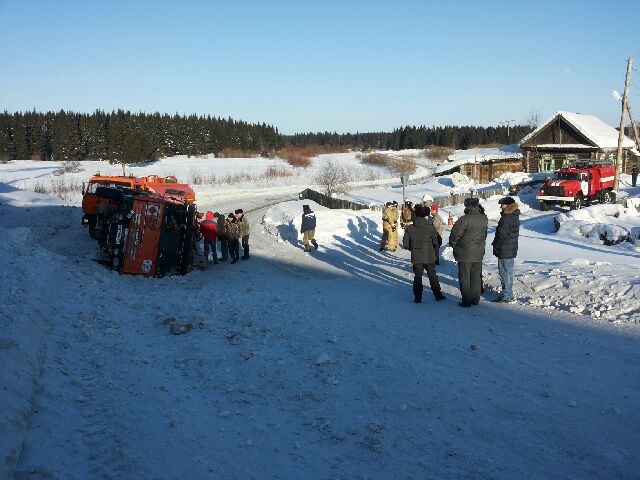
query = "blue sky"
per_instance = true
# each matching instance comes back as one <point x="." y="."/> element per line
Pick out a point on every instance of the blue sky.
<point x="321" y="65"/>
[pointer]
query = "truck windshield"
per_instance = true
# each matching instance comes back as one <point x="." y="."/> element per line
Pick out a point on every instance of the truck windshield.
<point x="567" y="176"/>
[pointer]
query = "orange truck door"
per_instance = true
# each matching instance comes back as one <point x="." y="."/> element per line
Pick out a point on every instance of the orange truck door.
<point x="143" y="238"/>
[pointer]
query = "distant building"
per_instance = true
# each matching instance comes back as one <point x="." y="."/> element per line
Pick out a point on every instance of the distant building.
<point x="484" y="164"/>
<point x="567" y="137"/>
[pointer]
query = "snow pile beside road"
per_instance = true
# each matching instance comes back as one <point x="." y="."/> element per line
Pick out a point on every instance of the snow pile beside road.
<point x="283" y="221"/>
<point x="608" y="223"/>
<point x="24" y="323"/>
<point x="577" y="285"/>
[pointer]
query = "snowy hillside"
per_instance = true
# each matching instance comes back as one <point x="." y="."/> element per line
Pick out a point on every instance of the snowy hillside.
<point x="315" y="365"/>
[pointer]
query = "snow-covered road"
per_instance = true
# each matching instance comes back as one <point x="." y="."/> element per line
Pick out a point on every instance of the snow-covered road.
<point x="298" y="366"/>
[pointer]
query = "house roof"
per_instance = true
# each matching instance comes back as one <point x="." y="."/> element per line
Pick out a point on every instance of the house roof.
<point x="592" y="128"/>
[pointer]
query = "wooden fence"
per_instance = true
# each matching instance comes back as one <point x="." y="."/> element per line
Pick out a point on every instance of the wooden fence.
<point x="442" y="201"/>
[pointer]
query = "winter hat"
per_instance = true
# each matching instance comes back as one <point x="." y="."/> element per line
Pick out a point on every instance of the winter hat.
<point x="209" y="216"/>
<point x="306" y="208"/>
<point x="239" y="210"/>
<point x="434" y="208"/>
<point x="506" y="201"/>
<point x="422" y="211"/>
<point x="471" y="202"/>
<point x="231" y="215"/>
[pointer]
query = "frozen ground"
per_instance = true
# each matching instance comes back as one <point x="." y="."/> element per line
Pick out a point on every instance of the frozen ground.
<point x="314" y="365"/>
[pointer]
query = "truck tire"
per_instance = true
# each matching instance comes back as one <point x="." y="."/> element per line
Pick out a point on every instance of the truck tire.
<point x="606" y="196"/>
<point x="577" y="203"/>
<point x="544" y="206"/>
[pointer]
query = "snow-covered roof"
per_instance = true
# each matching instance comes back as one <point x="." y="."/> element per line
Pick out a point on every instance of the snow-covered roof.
<point x="570" y="146"/>
<point x="595" y="130"/>
<point x="480" y="155"/>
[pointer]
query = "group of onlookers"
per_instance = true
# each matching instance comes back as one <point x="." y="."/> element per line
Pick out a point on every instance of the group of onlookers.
<point x="229" y="231"/>
<point x="467" y="238"/>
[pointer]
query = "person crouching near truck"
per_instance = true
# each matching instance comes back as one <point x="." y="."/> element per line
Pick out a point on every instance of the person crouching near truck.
<point x="422" y="239"/>
<point x="244" y="232"/>
<point x="308" y="228"/>
<point x="209" y="231"/>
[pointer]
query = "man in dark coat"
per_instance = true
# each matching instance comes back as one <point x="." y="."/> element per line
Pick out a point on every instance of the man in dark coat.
<point x="468" y="238"/>
<point x="308" y="228"/>
<point x="634" y="175"/>
<point x="505" y="245"/>
<point x="422" y="239"/>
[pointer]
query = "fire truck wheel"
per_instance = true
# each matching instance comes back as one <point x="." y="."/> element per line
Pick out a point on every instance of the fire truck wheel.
<point x="577" y="203"/>
<point x="606" y="196"/>
<point x="544" y="206"/>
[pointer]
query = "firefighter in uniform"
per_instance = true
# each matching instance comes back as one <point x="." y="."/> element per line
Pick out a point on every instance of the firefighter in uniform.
<point x="407" y="215"/>
<point x="390" y="227"/>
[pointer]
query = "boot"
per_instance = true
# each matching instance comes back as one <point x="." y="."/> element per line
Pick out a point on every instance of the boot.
<point x="307" y="249"/>
<point x="315" y="244"/>
<point x="246" y="253"/>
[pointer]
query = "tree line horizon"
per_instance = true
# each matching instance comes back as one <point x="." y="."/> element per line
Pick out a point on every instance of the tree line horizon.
<point x="122" y="136"/>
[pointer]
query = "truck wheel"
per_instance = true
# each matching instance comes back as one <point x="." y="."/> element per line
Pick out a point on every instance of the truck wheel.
<point x="606" y="196"/>
<point x="577" y="203"/>
<point x="544" y="206"/>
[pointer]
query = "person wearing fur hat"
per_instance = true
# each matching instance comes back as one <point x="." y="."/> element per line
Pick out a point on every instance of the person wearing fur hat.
<point x="407" y="215"/>
<point x="468" y="238"/>
<point x="505" y="245"/>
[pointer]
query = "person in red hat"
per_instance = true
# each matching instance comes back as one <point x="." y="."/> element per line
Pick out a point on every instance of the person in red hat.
<point x="209" y="231"/>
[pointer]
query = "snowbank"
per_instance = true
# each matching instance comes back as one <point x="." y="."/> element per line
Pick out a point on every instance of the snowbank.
<point x="283" y="222"/>
<point x="607" y="224"/>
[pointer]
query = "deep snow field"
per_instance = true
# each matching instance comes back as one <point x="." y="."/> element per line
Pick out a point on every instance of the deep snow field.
<point x="315" y="365"/>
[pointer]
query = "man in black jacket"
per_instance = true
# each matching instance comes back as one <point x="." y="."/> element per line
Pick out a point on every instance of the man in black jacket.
<point x="422" y="239"/>
<point x="308" y="228"/>
<point x="505" y="245"/>
<point x="468" y="238"/>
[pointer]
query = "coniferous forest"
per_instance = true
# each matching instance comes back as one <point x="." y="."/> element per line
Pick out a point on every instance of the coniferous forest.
<point x="122" y="136"/>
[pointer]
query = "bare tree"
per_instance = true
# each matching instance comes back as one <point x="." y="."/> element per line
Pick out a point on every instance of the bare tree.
<point x="533" y="120"/>
<point x="333" y="178"/>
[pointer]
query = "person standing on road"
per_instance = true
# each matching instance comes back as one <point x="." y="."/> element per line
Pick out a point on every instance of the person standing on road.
<point x="505" y="245"/>
<point x="436" y="221"/>
<point x="209" y="231"/>
<point x="224" y="244"/>
<point x="408" y="214"/>
<point x="634" y="175"/>
<point x="468" y="238"/>
<point x="308" y="228"/>
<point x="244" y="232"/>
<point x="232" y="232"/>
<point x="422" y="239"/>
<point x="390" y="227"/>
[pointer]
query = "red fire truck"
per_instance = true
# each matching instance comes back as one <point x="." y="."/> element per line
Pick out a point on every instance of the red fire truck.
<point x="576" y="185"/>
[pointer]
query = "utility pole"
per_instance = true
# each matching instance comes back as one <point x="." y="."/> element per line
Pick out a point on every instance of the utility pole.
<point x="634" y="127"/>
<point x="508" y="122"/>
<point x="616" y="182"/>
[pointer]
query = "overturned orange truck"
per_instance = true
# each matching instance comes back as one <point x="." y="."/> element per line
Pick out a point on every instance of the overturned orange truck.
<point x="142" y="233"/>
<point x="167" y="187"/>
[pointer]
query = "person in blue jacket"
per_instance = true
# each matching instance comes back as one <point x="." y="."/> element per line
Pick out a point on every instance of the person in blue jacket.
<point x="308" y="228"/>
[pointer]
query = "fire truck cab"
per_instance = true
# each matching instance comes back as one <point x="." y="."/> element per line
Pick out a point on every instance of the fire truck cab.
<point x="578" y="184"/>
